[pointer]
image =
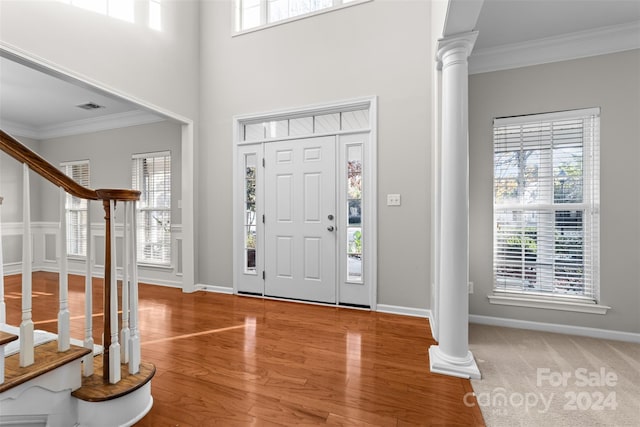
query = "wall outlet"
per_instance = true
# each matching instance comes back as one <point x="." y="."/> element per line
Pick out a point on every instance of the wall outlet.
<point x="393" y="200"/>
<point x="470" y="287"/>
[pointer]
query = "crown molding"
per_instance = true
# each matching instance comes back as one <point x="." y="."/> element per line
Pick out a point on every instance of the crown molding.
<point x="599" y="41"/>
<point x="77" y="127"/>
<point x="18" y="129"/>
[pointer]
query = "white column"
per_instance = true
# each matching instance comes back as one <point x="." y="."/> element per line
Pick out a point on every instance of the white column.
<point x="26" y="325"/>
<point x="452" y="356"/>
<point x="64" y="319"/>
<point x="3" y="306"/>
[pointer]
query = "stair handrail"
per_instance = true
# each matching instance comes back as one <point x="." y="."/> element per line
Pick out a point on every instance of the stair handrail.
<point x="109" y="197"/>
<point x="42" y="167"/>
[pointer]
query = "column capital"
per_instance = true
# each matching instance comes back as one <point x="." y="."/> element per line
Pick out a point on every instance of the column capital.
<point x="462" y="43"/>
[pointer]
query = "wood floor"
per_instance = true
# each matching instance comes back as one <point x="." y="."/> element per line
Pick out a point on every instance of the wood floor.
<point x="239" y="361"/>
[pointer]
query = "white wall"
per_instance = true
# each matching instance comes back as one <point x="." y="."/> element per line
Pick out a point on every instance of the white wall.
<point x="379" y="48"/>
<point x="611" y="82"/>
<point x="158" y="67"/>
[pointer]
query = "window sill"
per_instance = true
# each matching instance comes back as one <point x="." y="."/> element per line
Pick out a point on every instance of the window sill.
<point x="549" y="304"/>
<point x="155" y="266"/>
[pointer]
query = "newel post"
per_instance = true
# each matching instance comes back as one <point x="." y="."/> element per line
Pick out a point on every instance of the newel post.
<point x="111" y="357"/>
<point x="107" y="290"/>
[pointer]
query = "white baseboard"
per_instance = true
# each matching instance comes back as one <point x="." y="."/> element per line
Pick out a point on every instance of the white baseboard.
<point x="556" y="328"/>
<point x="404" y="311"/>
<point x="216" y="289"/>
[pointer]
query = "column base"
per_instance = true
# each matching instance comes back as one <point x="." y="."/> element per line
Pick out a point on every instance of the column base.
<point x="462" y="368"/>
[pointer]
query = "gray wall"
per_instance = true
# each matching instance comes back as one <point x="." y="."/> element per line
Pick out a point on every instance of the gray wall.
<point x="11" y="186"/>
<point x="380" y="48"/>
<point x="109" y="153"/>
<point x="611" y="82"/>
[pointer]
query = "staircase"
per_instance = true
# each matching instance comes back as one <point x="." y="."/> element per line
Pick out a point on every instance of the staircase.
<point x="57" y="383"/>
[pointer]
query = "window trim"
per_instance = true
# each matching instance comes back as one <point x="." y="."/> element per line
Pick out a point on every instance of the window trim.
<point x="547" y="302"/>
<point x="236" y="18"/>
<point x="532" y="299"/>
<point x="168" y="264"/>
<point x="67" y="210"/>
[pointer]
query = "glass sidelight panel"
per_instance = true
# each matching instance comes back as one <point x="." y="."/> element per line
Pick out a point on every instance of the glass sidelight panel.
<point x="250" y="221"/>
<point x="354" y="213"/>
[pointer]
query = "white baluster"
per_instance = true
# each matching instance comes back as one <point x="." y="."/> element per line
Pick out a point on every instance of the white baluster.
<point x="3" y="306"/>
<point x="87" y="366"/>
<point x="114" y="348"/>
<point x="134" y="340"/>
<point x="63" y="280"/>
<point x="26" y="326"/>
<point x="125" y="333"/>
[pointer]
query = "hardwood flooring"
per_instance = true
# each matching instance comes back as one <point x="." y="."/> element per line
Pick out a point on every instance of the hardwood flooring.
<point x="240" y="361"/>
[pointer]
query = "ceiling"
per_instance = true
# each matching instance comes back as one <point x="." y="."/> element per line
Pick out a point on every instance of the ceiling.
<point x="504" y="22"/>
<point x="41" y="106"/>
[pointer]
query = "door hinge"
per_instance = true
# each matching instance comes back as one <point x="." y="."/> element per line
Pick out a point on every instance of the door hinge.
<point x="264" y="276"/>
<point x="263" y="218"/>
<point x="263" y="162"/>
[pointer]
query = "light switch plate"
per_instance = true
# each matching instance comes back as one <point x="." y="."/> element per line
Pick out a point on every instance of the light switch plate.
<point x="393" y="200"/>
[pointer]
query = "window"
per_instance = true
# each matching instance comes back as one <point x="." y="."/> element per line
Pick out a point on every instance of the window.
<point x="155" y="15"/>
<point x="252" y="14"/>
<point x="354" y="212"/>
<point x="76" y="209"/>
<point x="318" y="124"/>
<point x="120" y="9"/>
<point x="250" y="220"/>
<point x="152" y="177"/>
<point x="546" y="197"/>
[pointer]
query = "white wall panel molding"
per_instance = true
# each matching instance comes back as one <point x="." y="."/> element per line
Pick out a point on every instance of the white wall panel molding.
<point x="581" y="44"/>
<point x="157" y="275"/>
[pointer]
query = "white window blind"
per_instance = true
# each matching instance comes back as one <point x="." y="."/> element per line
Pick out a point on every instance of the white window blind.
<point x="151" y="176"/>
<point x="76" y="209"/>
<point x="546" y="204"/>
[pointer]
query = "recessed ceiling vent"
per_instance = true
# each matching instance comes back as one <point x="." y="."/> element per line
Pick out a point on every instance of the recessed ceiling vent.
<point x="90" y="106"/>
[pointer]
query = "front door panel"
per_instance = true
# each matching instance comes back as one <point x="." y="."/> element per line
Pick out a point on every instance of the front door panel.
<point x="300" y="219"/>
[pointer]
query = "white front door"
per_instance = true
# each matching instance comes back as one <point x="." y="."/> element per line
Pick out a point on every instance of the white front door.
<point x="300" y="219"/>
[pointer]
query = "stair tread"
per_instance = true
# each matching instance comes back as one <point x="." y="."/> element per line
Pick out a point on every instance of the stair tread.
<point x="46" y="358"/>
<point x="95" y="389"/>
<point x="6" y="338"/>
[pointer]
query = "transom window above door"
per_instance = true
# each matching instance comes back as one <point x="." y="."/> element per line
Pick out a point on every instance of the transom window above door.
<point x="321" y="123"/>
<point x="251" y="15"/>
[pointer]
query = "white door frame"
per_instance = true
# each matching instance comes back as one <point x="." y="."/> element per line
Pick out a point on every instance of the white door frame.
<point x="370" y="189"/>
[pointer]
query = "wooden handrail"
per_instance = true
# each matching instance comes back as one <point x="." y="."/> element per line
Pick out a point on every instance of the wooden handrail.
<point x="23" y="154"/>
<point x="42" y="167"/>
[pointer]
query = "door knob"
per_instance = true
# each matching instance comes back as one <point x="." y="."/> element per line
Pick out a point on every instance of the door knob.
<point x="330" y="228"/>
